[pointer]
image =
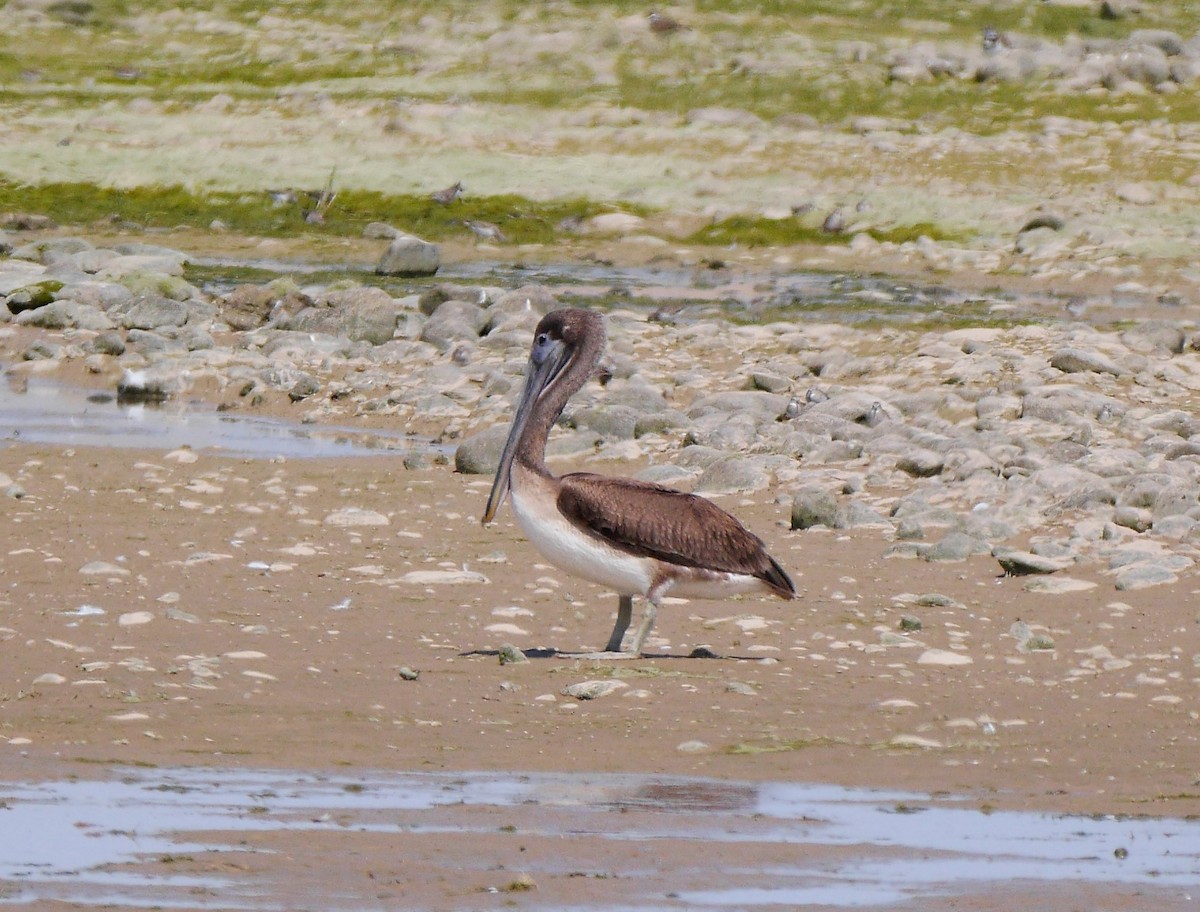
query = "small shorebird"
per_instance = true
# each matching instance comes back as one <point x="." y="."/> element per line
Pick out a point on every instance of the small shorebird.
<point x="448" y="195"/>
<point x="631" y="536"/>
<point x="486" y="231"/>
<point x="662" y="24"/>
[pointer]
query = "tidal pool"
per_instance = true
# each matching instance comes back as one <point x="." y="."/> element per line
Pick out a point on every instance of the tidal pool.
<point x="226" y="838"/>
<point x="57" y="413"/>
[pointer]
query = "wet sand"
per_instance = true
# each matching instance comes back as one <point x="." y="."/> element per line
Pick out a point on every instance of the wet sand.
<point x="240" y="625"/>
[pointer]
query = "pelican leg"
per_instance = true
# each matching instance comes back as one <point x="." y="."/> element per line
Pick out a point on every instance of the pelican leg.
<point x="648" y="616"/>
<point x="624" y="616"/>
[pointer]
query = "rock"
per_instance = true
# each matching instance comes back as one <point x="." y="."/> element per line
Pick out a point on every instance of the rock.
<point x="592" y="690"/>
<point x="34" y="296"/>
<point x="943" y="657"/>
<point x="248" y="306"/>
<point x="1074" y="360"/>
<point x="1020" y="563"/>
<point x="1155" y="336"/>
<point x="1120" y="9"/>
<point x="362" y="314"/>
<point x="356" y="516"/>
<point x="813" y="506"/>
<point x="955" y="546"/>
<point x="409" y="256"/>
<point x="855" y="515"/>
<point x="148" y="386"/>
<point x="454" y="322"/>
<point x="304" y="386"/>
<point x="1144" y="575"/>
<point x="151" y="312"/>
<point x="1141" y="194"/>
<point x="511" y="655"/>
<point x="479" y="454"/>
<point x="617" y="422"/>
<point x="1166" y="41"/>
<point x="921" y="463"/>
<point x="613" y="223"/>
<point x="443" y="577"/>
<point x="65" y="315"/>
<point x="152" y="284"/>
<point x="734" y="475"/>
<point x="378" y="231"/>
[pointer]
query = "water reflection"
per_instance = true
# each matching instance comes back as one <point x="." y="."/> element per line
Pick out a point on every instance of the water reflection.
<point x="91" y="842"/>
<point x="55" y="413"/>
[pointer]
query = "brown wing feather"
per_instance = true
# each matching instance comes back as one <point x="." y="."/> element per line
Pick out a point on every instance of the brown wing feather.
<point x="650" y="520"/>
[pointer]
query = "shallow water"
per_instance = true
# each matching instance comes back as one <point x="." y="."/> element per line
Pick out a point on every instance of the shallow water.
<point x="686" y="294"/>
<point x="56" y="413"/>
<point x="104" y="842"/>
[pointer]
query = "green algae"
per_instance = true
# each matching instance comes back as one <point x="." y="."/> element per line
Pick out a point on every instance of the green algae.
<point x="756" y="231"/>
<point x="282" y="213"/>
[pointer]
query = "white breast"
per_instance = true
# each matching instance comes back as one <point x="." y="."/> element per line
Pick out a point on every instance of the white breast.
<point x="567" y="547"/>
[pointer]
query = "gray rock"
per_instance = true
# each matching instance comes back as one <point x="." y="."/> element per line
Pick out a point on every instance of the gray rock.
<point x="107" y="343"/>
<point x="248" y="306"/>
<point x="42" y="350"/>
<point x="33" y="296"/>
<point x="854" y="514"/>
<point x="1135" y="518"/>
<point x="1144" y="575"/>
<point x="379" y="231"/>
<point x="1155" y="336"/>
<point x="479" y="454"/>
<point x="151" y="312"/>
<point x="1075" y="360"/>
<point x="732" y="476"/>
<point x="814" y="506"/>
<point x="48" y="250"/>
<point x="362" y="314"/>
<point x="149" y="385"/>
<point x="613" y="421"/>
<point x="659" y="422"/>
<point x="65" y="315"/>
<point x="921" y="463"/>
<point x="754" y="403"/>
<point x="1020" y="563"/>
<point x="304" y="387"/>
<point x="511" y="655"/>
<point x="155" y="284"/>
<point x="435" y="296"/>
<point x="454" y="322"/>
<point x="1173" y="499"/>
<point x="771" y="383"/>
<point x="525" y="300"/>
<point x="409" y="256"/>
<point x="104" y="295"/>
<point x="956" y="546"/>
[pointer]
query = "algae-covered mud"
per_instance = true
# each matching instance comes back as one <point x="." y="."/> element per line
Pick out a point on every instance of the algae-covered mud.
<point x="1020" y="140"/>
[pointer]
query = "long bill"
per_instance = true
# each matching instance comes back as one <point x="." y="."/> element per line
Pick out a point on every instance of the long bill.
<point x="540" y="377"/>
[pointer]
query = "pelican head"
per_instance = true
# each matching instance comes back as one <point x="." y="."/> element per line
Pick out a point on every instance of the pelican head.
<point x="566" y="346"/>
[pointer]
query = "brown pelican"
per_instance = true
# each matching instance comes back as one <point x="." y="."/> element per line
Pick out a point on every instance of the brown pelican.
<point x="634" y="537"/>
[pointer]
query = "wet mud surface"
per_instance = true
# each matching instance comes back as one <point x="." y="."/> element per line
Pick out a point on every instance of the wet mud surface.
<point x="274" y="840"/>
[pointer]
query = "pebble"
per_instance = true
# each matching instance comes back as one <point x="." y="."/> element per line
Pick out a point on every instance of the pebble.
<point x="943" y="657"/>
<point x="102" y="568"/>
<point x="511" y="655"/>
<point x="356" y="516"/>
<point x="135" y="618"/>
<point x="443" y="577"/>
<point x="593" y="690"/>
